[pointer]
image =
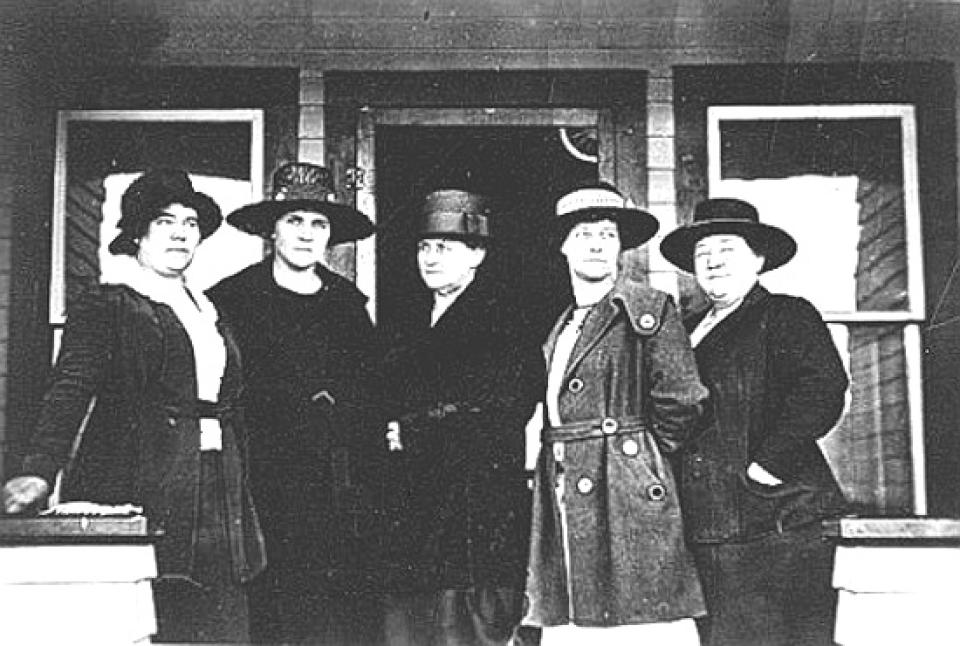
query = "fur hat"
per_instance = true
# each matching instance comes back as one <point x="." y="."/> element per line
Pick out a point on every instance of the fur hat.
<point x="299" y="186"/>
<point x="728" y="216"/>
<point x="148" y="195"/>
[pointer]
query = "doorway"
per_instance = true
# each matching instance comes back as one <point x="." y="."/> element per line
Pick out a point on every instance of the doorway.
<point x="521" y="169"/>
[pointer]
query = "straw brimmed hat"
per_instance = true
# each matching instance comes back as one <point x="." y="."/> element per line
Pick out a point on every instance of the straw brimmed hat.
<point x="604" y="202"/>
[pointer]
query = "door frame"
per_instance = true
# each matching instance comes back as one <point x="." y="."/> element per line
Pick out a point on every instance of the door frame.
<point x="370" y="119"/>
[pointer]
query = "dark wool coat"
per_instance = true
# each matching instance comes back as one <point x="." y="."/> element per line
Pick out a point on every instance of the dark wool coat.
<point x="631" y="369"/>
<point x="777" y="384"/>
<point x="142" y="442"/>
<point x="463" y="392"/>
<point x="308" y="366"/>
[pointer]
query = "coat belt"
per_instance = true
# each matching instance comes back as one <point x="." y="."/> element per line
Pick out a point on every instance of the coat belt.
<point x="593" y="429"/>
<point x="201" y="408"/>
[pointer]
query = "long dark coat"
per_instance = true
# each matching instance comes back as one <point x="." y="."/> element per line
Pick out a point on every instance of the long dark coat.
<point x="463" y="391"/>
<point x="308" y="367"/>
<point x="776" y="384"/>
<point x="631" y="369"/>
<point x="142" y="442"/>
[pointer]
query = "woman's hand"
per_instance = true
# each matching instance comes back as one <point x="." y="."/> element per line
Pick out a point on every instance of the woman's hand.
<point x="758" y="474"/>
<point x="393" y="436"/>
<point x="24" y="492"/>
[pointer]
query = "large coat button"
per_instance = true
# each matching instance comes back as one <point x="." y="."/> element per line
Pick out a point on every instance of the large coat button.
<point x="647" y="322"/>
<point x="584" y="485"/>
<point x="575" y="385"/>
<point x="630" y="447"/>
<point x="656" y="492"/>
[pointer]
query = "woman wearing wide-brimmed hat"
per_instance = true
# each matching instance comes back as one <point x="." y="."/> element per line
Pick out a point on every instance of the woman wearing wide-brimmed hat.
<point x="608" y="561"/>
<point x="165" y="432"/>
<point x="308" y="349"/>
<point x="756" y="483"/>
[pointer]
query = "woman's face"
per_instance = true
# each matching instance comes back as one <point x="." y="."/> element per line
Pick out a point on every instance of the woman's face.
<point x="300" y="238"/>
<point x="726" y="267"/>
<point x="592" y="250"/>
<point x="171" y="239"/>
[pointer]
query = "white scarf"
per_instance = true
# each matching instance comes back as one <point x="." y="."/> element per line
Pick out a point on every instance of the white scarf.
<point x="199" y="318"/>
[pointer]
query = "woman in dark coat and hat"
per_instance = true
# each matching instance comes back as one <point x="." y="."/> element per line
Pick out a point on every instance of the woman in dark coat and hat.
<point x="308" y="350"/>
<point x="165" y="432"/>
<point x="754" y="483"/>
<point x="608" y="561"/>
<point x="462" y="382"/>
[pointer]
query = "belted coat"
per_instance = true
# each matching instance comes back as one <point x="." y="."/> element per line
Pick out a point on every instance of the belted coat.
<point x="142" y="442"/>
<point x="777" y="384"/>
<point x="630" y="395"/>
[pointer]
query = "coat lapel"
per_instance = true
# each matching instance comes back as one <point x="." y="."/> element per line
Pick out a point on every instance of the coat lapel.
<point x="598" y="322"/>
<point x="729" y="325"/>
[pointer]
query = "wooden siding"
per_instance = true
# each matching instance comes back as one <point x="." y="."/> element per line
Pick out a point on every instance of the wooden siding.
<point x="59" y="54"/>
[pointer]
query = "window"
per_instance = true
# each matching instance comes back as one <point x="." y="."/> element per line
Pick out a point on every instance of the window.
<point x="842" y="179"/>
<point x="100" y="152"/>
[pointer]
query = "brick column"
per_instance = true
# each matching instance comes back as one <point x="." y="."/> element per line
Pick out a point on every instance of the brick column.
<point x="661" y="174"/>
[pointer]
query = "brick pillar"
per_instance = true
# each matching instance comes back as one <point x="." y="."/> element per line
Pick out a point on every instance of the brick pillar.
<point x="311" y="147"/>
<point x="661" y="174"/>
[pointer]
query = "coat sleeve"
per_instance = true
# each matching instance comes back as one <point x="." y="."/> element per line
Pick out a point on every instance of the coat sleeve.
<point x="85" y="354"/>
<point x="676" y="394"/>
<point x="808" y="380"/>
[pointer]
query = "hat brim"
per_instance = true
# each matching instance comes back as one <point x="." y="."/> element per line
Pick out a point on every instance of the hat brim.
<point x="346" y="222"/>
<point x="208" y="214"/>
<point x="776" y="245"/>
<point x="635" y="225"/>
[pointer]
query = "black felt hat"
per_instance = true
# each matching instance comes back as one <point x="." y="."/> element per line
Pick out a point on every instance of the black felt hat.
<point x="148" y="195"/>
<point x="299" y="186"/>
<point x="733" y="217"/>
<point x="602" y="201"/>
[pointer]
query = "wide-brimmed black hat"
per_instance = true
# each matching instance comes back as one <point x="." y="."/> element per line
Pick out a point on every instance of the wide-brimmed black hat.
<point x="299" y="186"/>
<point x="148" y="195"/>
<point x="733" y="217"/>
<point x="455" y="214"/>
<point x="602" y="201"/>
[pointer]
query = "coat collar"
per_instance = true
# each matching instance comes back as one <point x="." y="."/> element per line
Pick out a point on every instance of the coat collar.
<point x="757" y="295"/>
<point x="622" y="298"/>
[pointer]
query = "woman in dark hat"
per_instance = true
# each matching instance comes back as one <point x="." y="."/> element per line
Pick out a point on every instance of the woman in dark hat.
<point x="308" y="350"/>
<point x="755" y="484"/>
<point x="462" y="382"/>
<point x="164" y="377"/>
<point x="608" y="562"/>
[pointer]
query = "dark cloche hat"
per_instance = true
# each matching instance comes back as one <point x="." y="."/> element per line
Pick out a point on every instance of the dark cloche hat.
<point x="603" y="201"/>
<point x="299" y="186"/>
<point x="147" y="195"/>
<point x="456" y="214"/>
<point x="728" y="216"/>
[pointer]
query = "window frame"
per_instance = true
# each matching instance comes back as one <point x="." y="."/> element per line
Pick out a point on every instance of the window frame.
<point x="58" y="228"/>
<point x="912" y="318"/>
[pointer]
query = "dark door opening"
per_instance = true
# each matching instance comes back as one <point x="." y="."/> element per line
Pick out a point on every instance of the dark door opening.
<point x="523" y="170"/>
